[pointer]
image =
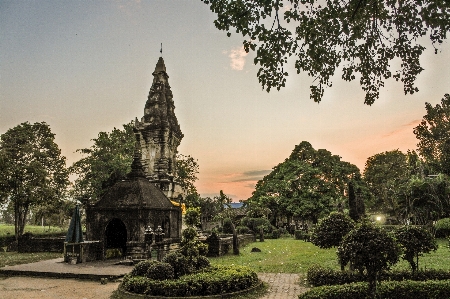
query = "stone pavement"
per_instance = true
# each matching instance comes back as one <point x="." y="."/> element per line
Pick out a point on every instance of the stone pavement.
<point x="57" y="268"/>
<point x="282" y="285"/>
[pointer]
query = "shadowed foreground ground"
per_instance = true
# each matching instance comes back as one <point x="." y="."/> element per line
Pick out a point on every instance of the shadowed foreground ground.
<point x="280" y="286"/>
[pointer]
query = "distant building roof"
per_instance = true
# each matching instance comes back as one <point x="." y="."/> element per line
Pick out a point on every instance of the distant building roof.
<point x="235" y="205"/>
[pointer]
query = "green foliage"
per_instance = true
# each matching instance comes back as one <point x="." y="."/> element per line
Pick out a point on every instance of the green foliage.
<point x="192" y="217"/>
<point x="106" y="161"/>
<point x="179" y="263"/>
<point x="302" y="235"/>
<point x="319" y="276"/>
<point x="391" y="289"/>
<point x="361" y="38"/>
<point x="254" y="224"/>
<point x="227" y="227"/>
<point x="305" y="185"/>
<point x="243" y="230"/>
<point x="112" y="253"/>
<point x="434" y="136"/>
<point x="214" y="281"/>
<point x="442" y="226"/>
<point x="331" y="229"/>
<point x="415" y="241"/>
<point x="186" y="173"/>
<point x="369" y="249"/>
<point x="160" y="271"/>
<point x="188" y="235"/>
<point x="32" y="170"/>
<point x="141" y="268"/>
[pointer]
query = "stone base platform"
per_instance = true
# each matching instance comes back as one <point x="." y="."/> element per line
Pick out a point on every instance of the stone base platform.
<point x="57" y="268"/>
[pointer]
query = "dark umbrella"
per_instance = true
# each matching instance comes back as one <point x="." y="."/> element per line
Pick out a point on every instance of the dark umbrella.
<point x="74" y="234"/>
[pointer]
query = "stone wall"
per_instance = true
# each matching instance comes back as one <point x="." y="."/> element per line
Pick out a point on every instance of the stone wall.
<point x="27" y="243"/>
<point x="218" y="246"/>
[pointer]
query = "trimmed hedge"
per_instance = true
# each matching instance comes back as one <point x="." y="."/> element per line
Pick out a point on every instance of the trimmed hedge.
<point x="213" y="281"/>
<point x="431" y="289"/>
<point x="320" y="276"/>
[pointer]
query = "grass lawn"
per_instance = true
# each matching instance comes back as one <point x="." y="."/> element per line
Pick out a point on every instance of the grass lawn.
<point x="8" y="230"/>
<point x="284" y="255"/>
<point x="15" y="258"/>
<point x="295" y="256"/>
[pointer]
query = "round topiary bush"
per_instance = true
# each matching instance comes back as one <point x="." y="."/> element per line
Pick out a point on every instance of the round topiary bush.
<point x="212" y="281"/>
<point x="202" y="262"/>
<point x="442" y="227"/>
<point x="141" y="268"/>
<point x="179" y="262"/>
<point x="160" y="271"/>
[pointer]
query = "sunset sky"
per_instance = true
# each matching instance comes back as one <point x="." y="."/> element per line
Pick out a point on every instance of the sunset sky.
<point x="86" y="66"/>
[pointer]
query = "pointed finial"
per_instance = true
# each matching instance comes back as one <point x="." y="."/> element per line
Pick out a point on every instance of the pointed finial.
<point x="161" y="49"/>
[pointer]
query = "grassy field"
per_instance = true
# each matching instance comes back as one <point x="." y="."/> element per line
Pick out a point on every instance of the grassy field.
<point x="15" y="258"/>
<point x="6" y="229"/>
<point x="295" y="256"/>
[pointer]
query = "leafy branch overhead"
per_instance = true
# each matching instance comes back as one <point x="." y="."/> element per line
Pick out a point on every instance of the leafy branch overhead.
<point x="362" y="37"/>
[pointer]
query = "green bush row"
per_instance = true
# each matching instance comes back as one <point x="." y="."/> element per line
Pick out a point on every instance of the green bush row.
<point x="431" y="289"/>
<point x="319" y="276"/>
<point x="211" y="281"/>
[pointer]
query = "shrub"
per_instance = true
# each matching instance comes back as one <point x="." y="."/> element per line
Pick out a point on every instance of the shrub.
<point x="415" y="241"/>
<point x="391" y="289"/>
<point x="141" y="268"/>
<point x="179" y="263"/>
<point x="160" y="271"/>
<point x="217" y="280"/>
<point x="319" y="276"/>
<point x="443" y="227"/>
<point x="243" y="230"/>
<point x="135" y="284"/>
<point x="202" y="262"/>
<point x="331" y="229"/>
<point x="301" y="235"/>
<point x="370" y="249"/>
<point x="227" y="226"/>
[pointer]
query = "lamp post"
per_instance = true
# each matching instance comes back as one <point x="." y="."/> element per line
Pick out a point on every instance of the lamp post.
<point x="148" y="234"/>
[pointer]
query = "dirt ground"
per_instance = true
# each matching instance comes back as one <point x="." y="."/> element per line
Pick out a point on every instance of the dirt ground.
<point x="48" y="288"/>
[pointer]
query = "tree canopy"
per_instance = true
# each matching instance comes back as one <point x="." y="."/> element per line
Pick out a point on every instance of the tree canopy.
<point x="358" y="36"/>
<point x="32" y="170"/>
<point x="307" y="184"/>
<point x="107" y="160"/>
<point x="433" y="134"/>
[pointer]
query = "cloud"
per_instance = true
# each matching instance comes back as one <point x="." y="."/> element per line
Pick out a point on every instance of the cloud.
<point x="237" y="58"/>
<point x="403" y="128"/>
<point x="247" y="176"/>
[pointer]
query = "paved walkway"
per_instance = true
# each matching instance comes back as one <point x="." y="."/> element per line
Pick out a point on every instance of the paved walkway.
<point x="282" y="285"/>
<point x="17" y="283"/>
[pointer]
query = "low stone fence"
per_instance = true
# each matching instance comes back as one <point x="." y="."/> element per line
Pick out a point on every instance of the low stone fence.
<point x="27" y="243"/>
<point x="220" y="245"/>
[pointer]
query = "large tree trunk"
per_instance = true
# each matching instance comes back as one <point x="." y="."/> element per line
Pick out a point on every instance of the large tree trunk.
<point x="20" y="217"/>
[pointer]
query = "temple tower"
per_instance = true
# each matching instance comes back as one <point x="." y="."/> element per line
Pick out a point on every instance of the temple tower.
<point x="159" y="134"/>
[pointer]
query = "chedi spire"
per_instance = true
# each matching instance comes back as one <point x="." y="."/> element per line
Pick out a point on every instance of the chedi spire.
<point x="159" y="133"/>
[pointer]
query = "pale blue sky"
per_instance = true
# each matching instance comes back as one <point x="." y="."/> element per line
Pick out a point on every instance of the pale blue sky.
<point x="85" y="67"/>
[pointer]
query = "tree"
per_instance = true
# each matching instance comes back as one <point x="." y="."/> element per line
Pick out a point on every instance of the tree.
<point x="433" y="134"/>
<point x="305" y="185"/>
<point x="386" y="174"/>
<point x="371" y="249"/>
<point x="361" y="37"/>
<point x="415" y="241"/>
<point x="330" y="230"/>
<point x="187" y="170"/>
<point x="32" y="170"/>
<point x="192" y="217"/>
<point x="107" y="160"/>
